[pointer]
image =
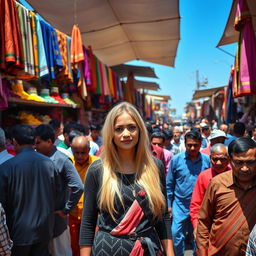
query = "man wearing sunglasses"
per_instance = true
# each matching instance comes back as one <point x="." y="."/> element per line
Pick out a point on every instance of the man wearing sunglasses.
<point x="219" y="160"/>
<point x="227" y="214"/>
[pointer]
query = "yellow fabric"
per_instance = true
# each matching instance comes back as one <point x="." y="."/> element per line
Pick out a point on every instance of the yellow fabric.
<point x="81" y="169"/>
<point x="28" y="118"/>
<point x="35" y="43"/>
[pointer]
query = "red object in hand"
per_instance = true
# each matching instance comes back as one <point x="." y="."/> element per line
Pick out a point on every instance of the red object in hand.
<point x="141" y="193"/>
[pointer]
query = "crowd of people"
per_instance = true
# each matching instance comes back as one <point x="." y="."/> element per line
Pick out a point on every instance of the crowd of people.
<point x="129" y="188"/>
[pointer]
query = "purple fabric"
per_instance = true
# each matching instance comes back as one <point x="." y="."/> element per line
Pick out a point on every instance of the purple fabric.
<point x="4" y="94"/>
<point x="87" y="75"/>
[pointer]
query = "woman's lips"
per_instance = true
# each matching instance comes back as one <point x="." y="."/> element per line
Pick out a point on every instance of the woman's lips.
<point x="126" y="141"/>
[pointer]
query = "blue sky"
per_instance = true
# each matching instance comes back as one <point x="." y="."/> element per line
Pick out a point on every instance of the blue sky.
<point x="202" y="25"/>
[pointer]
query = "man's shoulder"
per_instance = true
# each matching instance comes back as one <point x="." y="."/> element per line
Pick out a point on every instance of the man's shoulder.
<point x="179" y="156"/>
<point x="222" y="179"/>
<point x="93" y="158"/>
<point x="206" y="173"/>
<point x="205" y="157"/>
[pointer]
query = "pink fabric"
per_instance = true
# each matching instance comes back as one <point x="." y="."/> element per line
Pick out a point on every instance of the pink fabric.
<point x="130" y="220"/>
<point x="206" y="150"/>
<point x="137" y="250"/>
<point x="167" y="157"/>
<point x="245" y="65"/>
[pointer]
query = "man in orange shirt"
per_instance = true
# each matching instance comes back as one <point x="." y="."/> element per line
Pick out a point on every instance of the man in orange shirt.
<point x="80" y="147"/>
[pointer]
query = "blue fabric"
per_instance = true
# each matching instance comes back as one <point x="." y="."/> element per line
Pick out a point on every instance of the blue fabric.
<point x="70" y="185"/>
<point x="204" y="143"/>
<point x="180" y="182"/>
<point x="52" y="51"/>
<point x="251" y="246"/>
<point x="229" y="140"/>
<point x="29" y="184"/>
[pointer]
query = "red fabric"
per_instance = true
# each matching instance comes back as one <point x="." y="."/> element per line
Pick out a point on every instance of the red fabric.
<point x="137" y="250"/>
<point x="206" y="150"/>
<point x="201" y="185"/>
<point x="74" y="225"/>
<point x="158" y="153"/>
<point x="130" y="221"/>
<point x="57" y="97"/>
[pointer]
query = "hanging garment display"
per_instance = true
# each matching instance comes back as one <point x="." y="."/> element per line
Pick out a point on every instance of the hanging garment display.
<point x="245" y="64"/>
<point x="11" y="54"/>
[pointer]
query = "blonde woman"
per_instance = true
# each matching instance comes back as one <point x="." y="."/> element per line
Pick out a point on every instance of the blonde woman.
<point x="127" y="189"/>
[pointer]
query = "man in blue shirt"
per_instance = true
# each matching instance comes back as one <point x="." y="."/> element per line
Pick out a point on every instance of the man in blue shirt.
<point x="71" y="187"/>
<point x="180" y="181"/>
<point x="29" y="193"/>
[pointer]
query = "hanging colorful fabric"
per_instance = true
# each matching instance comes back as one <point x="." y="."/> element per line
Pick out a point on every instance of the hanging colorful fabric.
<point x="11" y="48"/>
<point x="77" y="58"/>
<point x="245" y="83"/>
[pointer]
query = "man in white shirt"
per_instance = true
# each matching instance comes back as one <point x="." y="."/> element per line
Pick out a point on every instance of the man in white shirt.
<point x="4" y="155"/>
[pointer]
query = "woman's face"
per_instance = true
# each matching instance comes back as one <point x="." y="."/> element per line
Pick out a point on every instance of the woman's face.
<point x="126" y="132"/>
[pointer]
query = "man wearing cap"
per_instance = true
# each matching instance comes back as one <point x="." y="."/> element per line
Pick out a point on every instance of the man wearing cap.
<point x="216" y="136"/>
<point x="220" y="163"/>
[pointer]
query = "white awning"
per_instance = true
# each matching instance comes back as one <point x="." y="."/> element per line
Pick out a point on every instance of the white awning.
<point x="118" y="30"/>
<point x="230" y="35"/>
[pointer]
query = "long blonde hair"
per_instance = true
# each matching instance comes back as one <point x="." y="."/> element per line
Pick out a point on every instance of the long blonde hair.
<point x="147" y="174"/>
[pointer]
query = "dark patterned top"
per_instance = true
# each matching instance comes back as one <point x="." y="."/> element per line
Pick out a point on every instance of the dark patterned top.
<point x="104" y="243"/>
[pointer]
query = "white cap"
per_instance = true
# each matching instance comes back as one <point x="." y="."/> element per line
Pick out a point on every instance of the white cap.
<point x="217" y="133"/>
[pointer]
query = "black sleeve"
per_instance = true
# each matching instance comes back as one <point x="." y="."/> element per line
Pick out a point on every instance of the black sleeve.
<point x="90" y="207"/>
<point x="163" y="226"/>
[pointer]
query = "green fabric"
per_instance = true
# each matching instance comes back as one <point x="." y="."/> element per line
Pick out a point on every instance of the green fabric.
<point x="62" y="145"/>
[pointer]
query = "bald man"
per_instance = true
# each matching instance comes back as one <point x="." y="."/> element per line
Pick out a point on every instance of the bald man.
<point x="82" y="159"/>
<point x="220" y="163"/>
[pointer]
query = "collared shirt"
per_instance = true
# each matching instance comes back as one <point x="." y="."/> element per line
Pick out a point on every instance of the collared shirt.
<point x="181" y="178"/>
<point x="167" y="157"/>
<point x="251" y="245"/>
<point x="201" y="185"/>
<point x="4" y="156"/>
<point x="70" y="185"/>
<point x="221" y="198"/>
<point x="178" y="147"/>
<point x="5" y="241"/>
<point x="29" y="194"/>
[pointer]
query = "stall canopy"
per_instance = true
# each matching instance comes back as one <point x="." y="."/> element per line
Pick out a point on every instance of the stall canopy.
<point x="230" y="35"/>
<point x="117" y="30"/>
<point x="198" y="94"/>
<point x="159" y="97"/>
<point x="123" y="70"/>
<point x="146" y="85"/>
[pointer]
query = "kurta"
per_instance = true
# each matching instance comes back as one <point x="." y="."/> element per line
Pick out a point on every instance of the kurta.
<point x="222" y="197"/>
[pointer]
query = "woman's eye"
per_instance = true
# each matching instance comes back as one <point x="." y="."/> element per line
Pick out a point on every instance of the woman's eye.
<point x="132" y="128"/>
<point x="118" y="129"/>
